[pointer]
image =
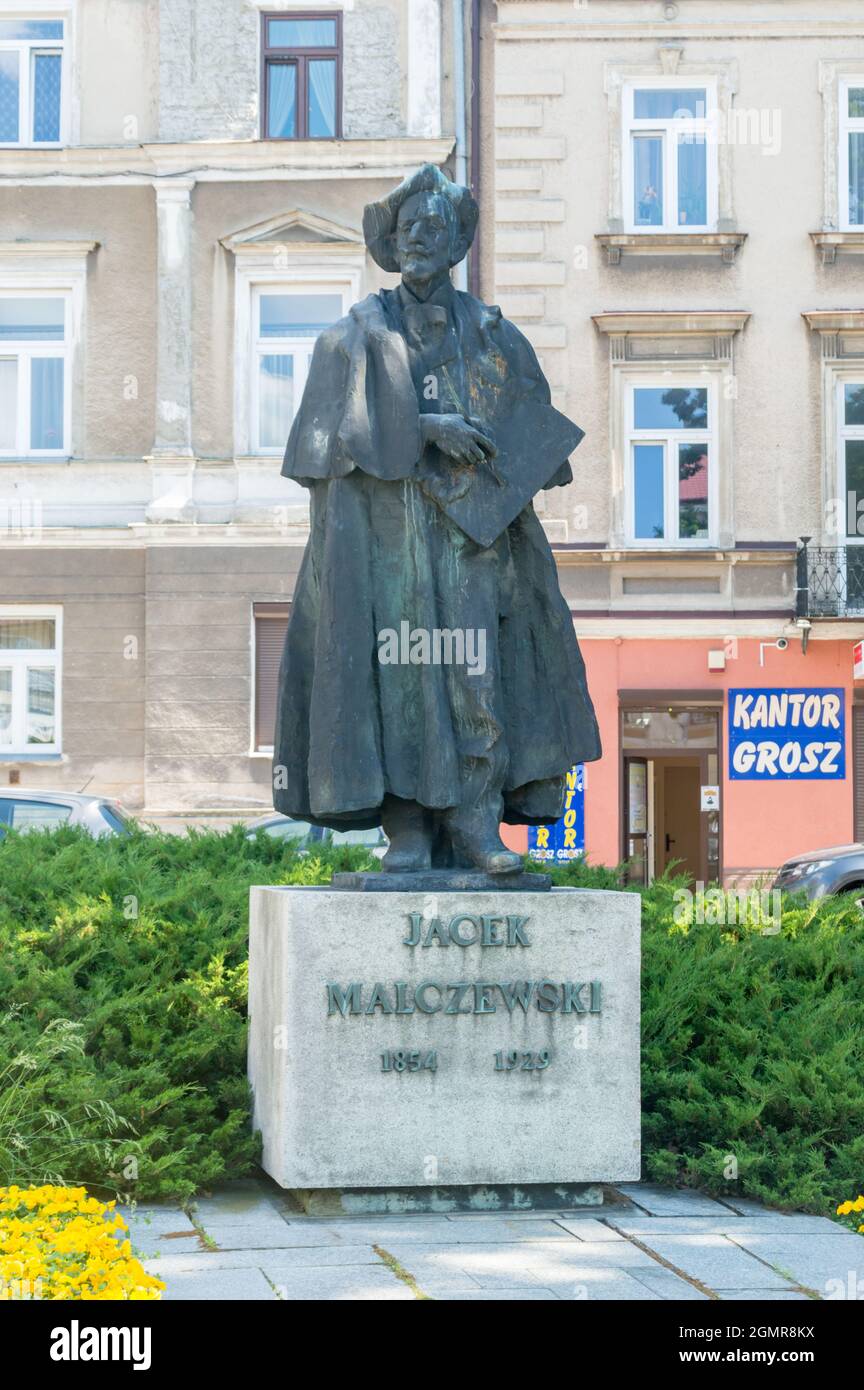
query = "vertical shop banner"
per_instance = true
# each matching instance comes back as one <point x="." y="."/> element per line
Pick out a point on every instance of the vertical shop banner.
<point x="787" y="735"/>
<point x="564" y="839"/>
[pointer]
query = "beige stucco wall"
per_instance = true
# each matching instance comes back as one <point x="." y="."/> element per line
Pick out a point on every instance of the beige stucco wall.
<point x="220" y="209"/>
<point x="180" y="70"/>
<point x="120" y="313"/>
<point x="115" y="72"/>
<point x="199" y="674"/>
<point x="101" y="592"/>
<point x="778" y="201"/>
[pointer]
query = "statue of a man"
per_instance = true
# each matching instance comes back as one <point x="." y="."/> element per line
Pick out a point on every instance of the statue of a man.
<point x="425" y="423"/>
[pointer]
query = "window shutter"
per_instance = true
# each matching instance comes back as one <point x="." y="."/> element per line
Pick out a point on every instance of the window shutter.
<point x="858" y="771"/>
<point x="271" y="622"/>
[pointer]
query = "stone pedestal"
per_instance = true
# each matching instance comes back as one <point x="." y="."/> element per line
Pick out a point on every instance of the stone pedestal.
<point x="440" y="1040"/>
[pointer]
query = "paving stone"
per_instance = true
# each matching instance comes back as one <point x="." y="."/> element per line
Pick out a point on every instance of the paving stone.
<point x="731" y="1224"/>
<point x="549" y="1264"/>
<point x="748" y="1207"/>
<point x="715" y="1261"/>
<point x="237" y="1209"/>
<point x="228" y="1285"/>
<point x="669" y="1286"/>
<point x="155" y="1217"/>
<point x="668" y="1201"/>
<point x="586" y="1229"/>
<point x="436" y="1278"/>
<point x="814" y="1261"/>
<point x="146" y="1243"/>
<point x="765" y="1295"/>
<point x="606" y="1285"/>
<point x="360" y="1284"/>
<point x="501" y="1295"/>
<point x="278" y="1236"/>
<point x="298" y="1257"/>
<point x="441" y="1230"/>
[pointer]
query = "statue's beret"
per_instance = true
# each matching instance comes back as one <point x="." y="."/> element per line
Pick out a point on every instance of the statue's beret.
<point x="379" y="219"/>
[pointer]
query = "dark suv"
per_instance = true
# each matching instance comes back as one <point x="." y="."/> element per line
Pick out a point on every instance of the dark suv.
<point x="824" y="871"/>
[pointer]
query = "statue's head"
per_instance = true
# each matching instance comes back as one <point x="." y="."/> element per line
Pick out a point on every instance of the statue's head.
<point x="423" y="227"/>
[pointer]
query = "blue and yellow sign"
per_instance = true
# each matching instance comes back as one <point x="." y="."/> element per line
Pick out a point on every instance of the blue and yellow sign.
<point x="789" y="734"/>
<point x="564" y="839"/>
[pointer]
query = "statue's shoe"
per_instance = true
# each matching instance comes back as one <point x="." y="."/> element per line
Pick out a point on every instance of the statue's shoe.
<point x="499" y="861"/>
<point x="485" y="852"/>
<point x="409" y="855"/>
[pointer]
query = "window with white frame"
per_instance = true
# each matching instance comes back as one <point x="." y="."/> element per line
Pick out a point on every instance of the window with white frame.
<point x="852" y="153"/>
<point x="29" y="682"/>
<point x="671" y="483"/>
<point x="32" y="81"/>
<point x="670" y="160"/>
<point x="286" y="320"/>
<point x="850" y="450"/>
<point x="35" y="337"/>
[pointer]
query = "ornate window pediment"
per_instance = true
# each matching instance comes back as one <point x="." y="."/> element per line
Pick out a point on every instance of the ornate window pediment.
<point x="296" y="230"/>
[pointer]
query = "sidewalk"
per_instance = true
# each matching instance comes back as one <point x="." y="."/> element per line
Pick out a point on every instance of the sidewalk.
<point x="644" y="1243"/>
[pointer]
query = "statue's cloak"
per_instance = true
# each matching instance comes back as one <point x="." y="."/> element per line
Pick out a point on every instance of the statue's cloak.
<point x="382" y="551"/>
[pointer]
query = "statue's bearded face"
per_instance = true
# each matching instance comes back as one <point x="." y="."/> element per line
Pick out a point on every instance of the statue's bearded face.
<point x="425" y="233"/>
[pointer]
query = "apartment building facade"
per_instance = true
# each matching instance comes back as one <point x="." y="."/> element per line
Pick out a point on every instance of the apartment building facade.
<point x="675" y="192"/>
<point x="672" y="203"/>
<point x="181" y="193"/>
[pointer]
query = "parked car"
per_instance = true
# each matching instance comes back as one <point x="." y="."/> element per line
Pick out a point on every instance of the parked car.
<point x="823" y="871"/>
<point x="305" y="836"/>
<point x="37" y="810"/>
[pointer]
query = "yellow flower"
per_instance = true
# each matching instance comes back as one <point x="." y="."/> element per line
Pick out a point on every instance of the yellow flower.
<point x="60" y="1243"/>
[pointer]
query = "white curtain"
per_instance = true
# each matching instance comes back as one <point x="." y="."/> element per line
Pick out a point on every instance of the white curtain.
<point x="322" y="96"/>
<point x="282" y="101"/>
<point x="275" y="400"/>
<point x="8" y="402"/>
<point x="46" y="403"/>
<point x="9" y="96"/>
<point x="856" y="177"/>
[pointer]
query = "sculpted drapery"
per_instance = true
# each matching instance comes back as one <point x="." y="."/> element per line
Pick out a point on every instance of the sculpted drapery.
<point x="409" y="400"/>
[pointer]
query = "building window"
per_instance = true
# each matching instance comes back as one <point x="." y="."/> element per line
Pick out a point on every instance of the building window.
<point x="34" y="352"/>
<point x="852" y="154"/>
<point x="270" y="625"/>
<point x="670" y="163"/>
<point x="850" y="462"/>
<point x="31" y="81"/>
<point x="286" y="321"/>
<point x="29" y="682"/>
<point x="302" y="76"/>
<point x="671" y="484"/>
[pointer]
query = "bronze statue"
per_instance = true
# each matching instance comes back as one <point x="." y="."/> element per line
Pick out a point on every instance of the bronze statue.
<point x="431" y="679"/>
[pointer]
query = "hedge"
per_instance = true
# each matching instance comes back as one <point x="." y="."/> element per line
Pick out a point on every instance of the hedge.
<point x="123" y="976"/>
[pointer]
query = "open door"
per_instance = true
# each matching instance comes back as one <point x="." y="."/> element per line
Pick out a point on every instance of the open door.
<point x="678" y="821"/>
<point x="636" y="819"/>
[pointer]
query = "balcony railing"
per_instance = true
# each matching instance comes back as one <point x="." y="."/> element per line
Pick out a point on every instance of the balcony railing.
<point x="830" y="581"/>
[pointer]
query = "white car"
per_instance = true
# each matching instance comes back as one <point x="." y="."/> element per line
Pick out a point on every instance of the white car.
<point x="305" y="836"/>
<point x="33" y="809"/>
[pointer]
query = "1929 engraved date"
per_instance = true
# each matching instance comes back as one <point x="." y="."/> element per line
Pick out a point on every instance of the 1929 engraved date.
<point x="522" y="1061"/>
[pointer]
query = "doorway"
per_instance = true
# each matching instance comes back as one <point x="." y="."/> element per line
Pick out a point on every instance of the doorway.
<point x="670" y="774"/>
<point x="677" y="791"/>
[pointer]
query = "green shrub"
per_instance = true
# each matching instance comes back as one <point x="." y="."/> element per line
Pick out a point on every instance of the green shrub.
<point x="753" y="1052"/>
<point x="123" y="972"/>
<point x="137" y="947"/>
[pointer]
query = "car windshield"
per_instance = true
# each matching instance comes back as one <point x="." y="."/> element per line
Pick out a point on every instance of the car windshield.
<point x="289" y="829"/>
<point x="115" y="817"/>
<point x="373" y="836"/>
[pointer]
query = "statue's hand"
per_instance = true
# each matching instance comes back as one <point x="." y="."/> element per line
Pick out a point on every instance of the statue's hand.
<point x="456" y="438"/>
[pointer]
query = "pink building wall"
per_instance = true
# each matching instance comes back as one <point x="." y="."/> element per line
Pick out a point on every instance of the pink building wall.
<point x="763" y="823"/>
